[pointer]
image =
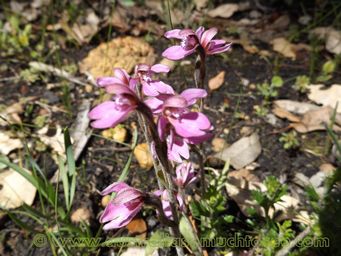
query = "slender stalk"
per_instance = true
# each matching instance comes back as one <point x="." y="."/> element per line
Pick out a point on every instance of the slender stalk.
<point x="199" y="79"/>
<point x="161" y="151"/>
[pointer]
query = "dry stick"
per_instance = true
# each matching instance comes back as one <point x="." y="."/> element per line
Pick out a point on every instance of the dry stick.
<point x="285" y="250"/>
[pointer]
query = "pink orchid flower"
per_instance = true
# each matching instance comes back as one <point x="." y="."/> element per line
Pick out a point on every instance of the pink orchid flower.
<point x="120" y="77"/>
<point x="177" y="124"/>
<point x="191" y="40"/>
<point x="123" y="208"/>
<point x="110" y="113"/>
<point x="166" y="204"/>
<point x="175" y="113"/>
<point x="151" y="87"/>
<point x="185" y="174"/>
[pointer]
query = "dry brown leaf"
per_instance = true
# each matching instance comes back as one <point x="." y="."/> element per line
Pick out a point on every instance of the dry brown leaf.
<point x="331" y="36"/>
<point x="224" y="11"/>
<point x="81" y="215"/>
<point x="7" y="144"/>
<point x="295" y="106"/>
<point x="314" y="120"/>
<point x="242" y="152"/>
<point x="138" y="227"/>
<point x="143" y="156"/>
<point x="227" y="10"/>
<point x="15" y="190"/>
<point x="282" y="113"/>
<point x="284" y="47"/>
<point x="56" y="142"/>
<point x="215" y="82"/>
<point x="121" y="52"/>
<point x="326" y="96"/>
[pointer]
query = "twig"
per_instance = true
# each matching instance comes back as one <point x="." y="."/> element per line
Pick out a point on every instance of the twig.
<point x="57" y="72"/>
<point x="286" y="249"/>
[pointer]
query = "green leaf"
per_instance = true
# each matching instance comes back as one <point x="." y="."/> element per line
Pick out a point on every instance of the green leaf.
<point x="69" y="153"/>
<point x="328" y="67"/>
<point x="186" y="230"/>
<point x="159" y="239"/>
<point x="277" y="81"/>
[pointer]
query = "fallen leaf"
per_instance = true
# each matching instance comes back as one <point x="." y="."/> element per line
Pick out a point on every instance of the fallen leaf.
<point x="81" y="215"/>
<point x="224" y="11"/>
<point x="331" y="36"/>
<point x="215" y="82"/>
<point x="56" y="142"/>
<point x="242" y="152"/>
<point x="315" y="120"/>
<point x="7" y="144"/>
<point x="143" y="156"/>
<point x="284" y="47"/>
<point x="200" y="4"/>
<point x="227" y="10"/>
<point x="326" y="96"/>
<point x="121" y="52"/>
<point x="295" y="106"/>
<point x="282" y="113"/>
<point x="15" y="190"/>
<point x="137" y="227"/>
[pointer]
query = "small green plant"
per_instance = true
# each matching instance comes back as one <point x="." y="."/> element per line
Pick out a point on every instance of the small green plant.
<point x="267" y="91"/>
<point x="211" y="209"/>
<point x="289" y="140"/>
<point x="327" y="71"/>
<point x="301" y="83"/>
<point x="17" y="38"/>
<point x="270" y="90"/>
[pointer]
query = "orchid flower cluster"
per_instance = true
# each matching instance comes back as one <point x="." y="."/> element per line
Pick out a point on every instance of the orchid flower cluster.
<point x="171" y="122"/>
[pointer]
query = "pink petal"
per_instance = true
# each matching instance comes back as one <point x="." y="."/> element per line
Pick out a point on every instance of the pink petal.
<point x="191" y="124"/>
<point x="173" y="34"/>
<point x="179" y="148"/>
<point x="186" y="32"/>
<point x="218" y="49"/>
<point x="199" y="139"/>
<point x="193" y="94"/>
<point x="142" y="68"/>
<point x="154" y="104"/>
<point x="119" y="89"/>
<point x="161" y="127"/>
<point x="118" y="215"/>
<point x="126" y="195"/>
<point x="105" y="81"/>
<point x="106" y="115"/>
<point x="162" y="87"/>
<point x="207" y="36"/>
<point x="148" y="89"/>
<point x="176" y="52"/>
<point x="114" y="187"/>
<point x="199" y="32"/>
<point x="160" y="68"/>
<point x="175" y="101"/>
<point x="122" y="75"/>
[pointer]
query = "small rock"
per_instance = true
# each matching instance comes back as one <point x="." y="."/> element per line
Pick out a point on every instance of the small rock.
<point x="81" y="215"/>
<point x="246" y="131"/>
<point x="218" y="144"/>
